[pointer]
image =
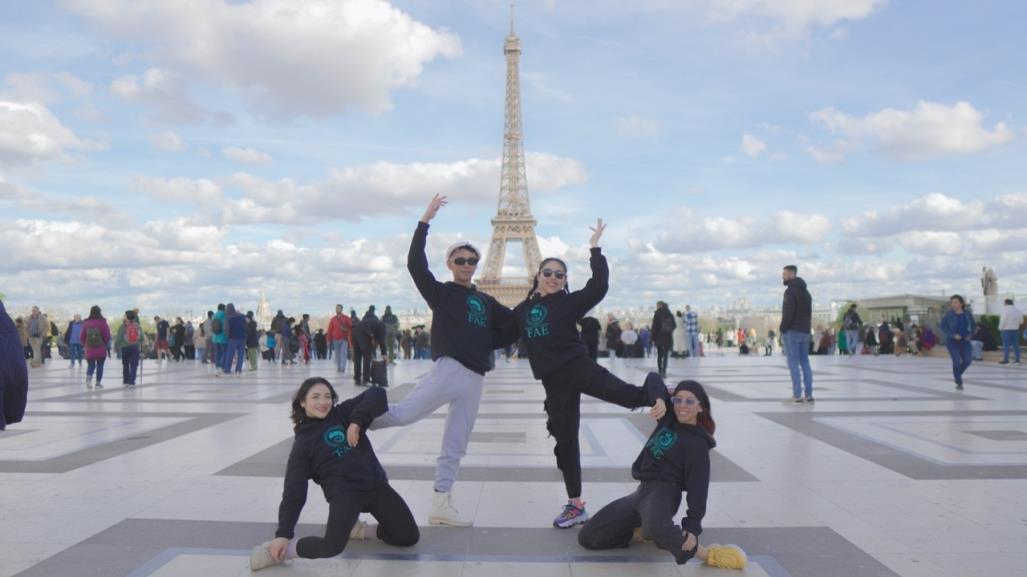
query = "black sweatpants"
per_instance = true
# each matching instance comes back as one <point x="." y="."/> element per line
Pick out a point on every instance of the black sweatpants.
<point x="662" y="352"/>
<point x="396" y="525"/>
<point x="363" y="354"/>
<point x="652" y="507"/>
<point x="563" y="407"/>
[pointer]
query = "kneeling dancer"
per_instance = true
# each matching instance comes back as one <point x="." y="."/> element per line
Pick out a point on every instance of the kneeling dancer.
<point x="331" y="449"/>
<point x="675" y="459"/>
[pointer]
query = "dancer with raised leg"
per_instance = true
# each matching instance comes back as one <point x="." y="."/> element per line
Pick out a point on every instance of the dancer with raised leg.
<point x="675" y="459"/>
<point x="547" y="321"/>
<point x="463" y="322"/>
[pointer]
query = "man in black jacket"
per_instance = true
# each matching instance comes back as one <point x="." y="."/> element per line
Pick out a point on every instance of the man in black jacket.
<point x="796" y="316"/>
<point x="367" y="335"/>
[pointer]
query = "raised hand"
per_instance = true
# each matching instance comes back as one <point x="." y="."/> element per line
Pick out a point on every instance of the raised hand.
<point x="437" y="202"/>
<point x="597" y="232"/>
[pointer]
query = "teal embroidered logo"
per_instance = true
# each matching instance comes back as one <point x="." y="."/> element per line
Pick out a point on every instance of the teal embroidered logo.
<point x="476" y="311"/>
<point x="335" y="437"/>
<point x="661" y="442"/>
<point x="535" y="324"/>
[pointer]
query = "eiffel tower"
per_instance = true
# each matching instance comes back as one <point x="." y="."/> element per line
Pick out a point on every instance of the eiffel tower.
<point x="513" y="221"/>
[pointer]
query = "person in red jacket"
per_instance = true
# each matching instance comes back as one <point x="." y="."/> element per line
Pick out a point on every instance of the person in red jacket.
<point x="340" y="331"/>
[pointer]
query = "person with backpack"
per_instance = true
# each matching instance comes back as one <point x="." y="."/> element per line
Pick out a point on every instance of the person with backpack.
<point x="547" y="321"/>
<point x="663" y="335"/>
<point x="161" y="344"/>
<point x="96" y="333"/>
<point x="129" y="342"/>
<point x="851" y="324"/>
<point x="235" y="334"/>
<point x="675" y="460"/>
<point x="331" y="447"/>
<point x="218" y="337"/>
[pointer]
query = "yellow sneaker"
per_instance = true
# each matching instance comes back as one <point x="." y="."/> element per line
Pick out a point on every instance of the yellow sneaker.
<point x="726" y="557"/>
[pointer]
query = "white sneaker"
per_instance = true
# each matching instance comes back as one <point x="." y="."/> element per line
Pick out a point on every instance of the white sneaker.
<point x="89" y="383"/>
<point x="260" y="557"/>
<point x="444" y="513"/>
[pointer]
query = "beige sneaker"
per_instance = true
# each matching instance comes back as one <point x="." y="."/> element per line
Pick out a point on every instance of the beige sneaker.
<point x="359" y="531"/>
<point x="260" y="557"/>
<point x="444" y="513"/>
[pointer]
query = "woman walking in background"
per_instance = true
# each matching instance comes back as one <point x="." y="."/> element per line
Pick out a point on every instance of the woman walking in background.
<point x="96" y="333"/>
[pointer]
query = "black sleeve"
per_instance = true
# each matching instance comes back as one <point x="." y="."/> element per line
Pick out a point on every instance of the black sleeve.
<point x="697" y="484"/>
<point x="656" y="389"/>
<point x="294" y="493"/>
<point x="787" y="311"/>
<point x="365" y="407"/>
<point x="417" y="265"/>
<point x="595" y="289"/>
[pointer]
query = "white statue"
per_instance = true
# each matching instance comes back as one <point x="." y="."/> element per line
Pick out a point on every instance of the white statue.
<point x="989" y="282"/>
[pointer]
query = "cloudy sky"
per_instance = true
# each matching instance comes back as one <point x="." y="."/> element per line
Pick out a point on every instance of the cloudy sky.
<point x="170" y="154"/>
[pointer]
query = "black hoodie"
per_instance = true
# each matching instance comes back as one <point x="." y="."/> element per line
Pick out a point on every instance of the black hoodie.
<point x="678" y="454"/>
<point x="549" y="324"/>
<point x="797" y="309"/>
<point x="464" y="319"/>
<point x="320" y="452"/>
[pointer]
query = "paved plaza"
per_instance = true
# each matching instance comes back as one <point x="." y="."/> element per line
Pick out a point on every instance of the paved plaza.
<point x="890" y="472"/>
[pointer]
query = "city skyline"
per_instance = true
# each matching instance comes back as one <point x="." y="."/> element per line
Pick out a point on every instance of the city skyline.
<point x="172" y="156"/>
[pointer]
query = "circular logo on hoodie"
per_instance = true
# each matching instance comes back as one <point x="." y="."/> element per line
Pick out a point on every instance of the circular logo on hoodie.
<point x="335" y="437"/>
<point x="537" y="315"/>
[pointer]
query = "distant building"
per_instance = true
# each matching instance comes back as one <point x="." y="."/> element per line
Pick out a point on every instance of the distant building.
<point x="921" y="310"/>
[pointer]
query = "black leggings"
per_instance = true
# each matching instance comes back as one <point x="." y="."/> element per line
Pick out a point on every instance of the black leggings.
<point x="396" y="525"/>
<point x="563" y="407"/>
<point x="652" y="507"/>
<point x="662" y="352"/>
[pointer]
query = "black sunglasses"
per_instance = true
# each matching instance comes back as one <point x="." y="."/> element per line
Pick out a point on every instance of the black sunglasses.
<point x="461" y="261"/>
<point x="557" y="273"/>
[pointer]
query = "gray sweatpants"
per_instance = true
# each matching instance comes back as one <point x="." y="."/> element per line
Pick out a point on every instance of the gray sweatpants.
<point x="447" y="382"/>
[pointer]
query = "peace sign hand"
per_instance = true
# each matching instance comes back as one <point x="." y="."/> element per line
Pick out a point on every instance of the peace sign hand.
<point x="597" y="232"/>
<point x="437" y="202"/>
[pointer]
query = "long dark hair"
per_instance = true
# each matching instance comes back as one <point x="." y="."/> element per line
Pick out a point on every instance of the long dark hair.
<point x="298" y="414"/>
<point x="542" y="265"/>
<point x="705" y="417"/>
<point x="94" y="312"/>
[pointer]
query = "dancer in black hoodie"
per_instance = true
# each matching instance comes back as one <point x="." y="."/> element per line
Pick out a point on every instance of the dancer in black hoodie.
<point x="547" y="322"/>
<point x="331" y="449"/>
<point x="675" y="459"/>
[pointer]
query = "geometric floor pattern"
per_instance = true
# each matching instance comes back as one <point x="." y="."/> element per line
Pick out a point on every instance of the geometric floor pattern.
<point x="891" y="472"/>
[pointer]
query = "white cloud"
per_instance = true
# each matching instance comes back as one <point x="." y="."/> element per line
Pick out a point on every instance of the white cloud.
<point x="930" y="129"/>
<point x="638" y="127"/>
<point x="29" y="132"/>
<point x="164" y="90"/>
<point x="180" y="189"/>
<point x="832" y="154"/>
<point x="168" y="141"/>
<point x="43" y="87"/>
<point x="693" y="234"/>
<point x="388" y="188"/>
<point x="795" y="16"/>
<point x="246" y="155"/>
<point x="934" y="211"/>
<point x="291" y="57"/>
<point x="752" y="146"/>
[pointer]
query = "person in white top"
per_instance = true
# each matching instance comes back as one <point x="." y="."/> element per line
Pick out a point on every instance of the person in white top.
<point x="1009" y="326"/>
<point x="629" y="337"/>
